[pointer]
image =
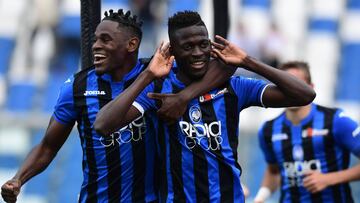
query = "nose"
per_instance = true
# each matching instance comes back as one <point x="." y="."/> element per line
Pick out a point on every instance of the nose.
<point x="96" y="45"/>
<point x="197" y="51"/>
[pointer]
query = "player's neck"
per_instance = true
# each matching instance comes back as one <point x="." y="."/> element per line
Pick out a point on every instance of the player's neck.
<point x="124" y="69"/>
<point x="296" y="114"/>
<point x="183" y="77"/>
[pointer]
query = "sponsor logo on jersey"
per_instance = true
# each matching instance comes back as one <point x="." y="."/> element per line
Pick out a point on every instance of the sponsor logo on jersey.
<point x="131" y="133"/>
<point x="195" y="114"/>
<point x="208" y="96"/>
<point x="94" y="92"/>
<point x="312" y="132"/>
<point x="279" y="136"/>
<point x="295" y="171"/>
<point x="298" y="152"/>
<point x="207" y="135"/>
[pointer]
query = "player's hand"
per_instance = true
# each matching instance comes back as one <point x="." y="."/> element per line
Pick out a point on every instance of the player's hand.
<point x="10" y="190"/>
<point x="173" y="106"/>
<point x="228" y="52"/>
<point x="161" y="63"/>
<point x="315" y="181"/>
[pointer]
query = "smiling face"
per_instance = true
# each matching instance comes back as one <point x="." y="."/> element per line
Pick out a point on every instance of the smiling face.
<point x="110" y="47"/>
<point x="191" y="47"/>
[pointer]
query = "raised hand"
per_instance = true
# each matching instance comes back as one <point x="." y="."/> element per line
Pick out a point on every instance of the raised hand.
<point x="10" y="190"/>
<point x="161" y="62"/>
<point x="173" y="106"/>
<point x="228" y="52"/>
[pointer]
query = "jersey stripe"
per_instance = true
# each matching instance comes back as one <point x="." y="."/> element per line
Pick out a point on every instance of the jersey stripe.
<point x="112" y="151"/>
<point x="158" y="84"/>
<point x="308" y="147"/>
<point x="176" y="161"/>
<point x="200" y="168"/>
<point x="287" y="155"/>
<point x="329" y="149"/>
<point x="79" y="87"/>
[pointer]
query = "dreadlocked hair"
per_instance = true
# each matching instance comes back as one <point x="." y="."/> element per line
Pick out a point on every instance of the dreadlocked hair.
<point x="184" y="19"/>
<point x="125" y="21"/>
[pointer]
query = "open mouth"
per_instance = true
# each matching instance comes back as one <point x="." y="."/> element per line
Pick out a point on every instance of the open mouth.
<point x="198" y="64"/>
<point x="99" y="59"/>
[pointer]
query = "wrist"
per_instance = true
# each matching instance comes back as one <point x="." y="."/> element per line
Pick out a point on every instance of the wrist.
<point x="148" y="76"/>
<point x="16" y="179"/>
<point x="263" y="194"/>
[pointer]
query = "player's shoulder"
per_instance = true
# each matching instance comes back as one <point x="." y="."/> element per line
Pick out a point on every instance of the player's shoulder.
<point x="84" y="72"/>
<point x="273" y="121"/>
<point x="326" y="109"/>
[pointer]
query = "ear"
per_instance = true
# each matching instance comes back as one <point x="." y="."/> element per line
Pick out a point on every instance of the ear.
<point x="133" y="44"/>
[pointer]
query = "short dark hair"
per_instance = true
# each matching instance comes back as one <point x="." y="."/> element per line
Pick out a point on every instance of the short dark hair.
<point x="298" y="65"/>
<point x="125" y="21"/>
<point x="183" y="19"/>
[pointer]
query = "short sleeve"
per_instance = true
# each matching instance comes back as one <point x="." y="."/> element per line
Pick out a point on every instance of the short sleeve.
<point x="347" y="132"/>
<point x="249" y="91"/>
<point x="143" y="103"/>
<point x="265" y="147"/>
<point x="65" y="112"/>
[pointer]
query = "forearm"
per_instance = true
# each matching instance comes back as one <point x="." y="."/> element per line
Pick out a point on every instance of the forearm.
<point x="297" y="91"/>
<point x="113" y="115"/>
<point x="36" y="162"/>
<point x="215" y="76"/>
<point x="271" y="180"/>
<point x="348" y="175"/>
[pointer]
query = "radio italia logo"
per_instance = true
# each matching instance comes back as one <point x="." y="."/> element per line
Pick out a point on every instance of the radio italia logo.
<point x="207" y="135"/>
<point x="295" y="171"/>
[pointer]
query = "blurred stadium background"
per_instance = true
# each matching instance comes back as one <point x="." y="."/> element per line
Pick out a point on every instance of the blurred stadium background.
<point x="40" y="48"/>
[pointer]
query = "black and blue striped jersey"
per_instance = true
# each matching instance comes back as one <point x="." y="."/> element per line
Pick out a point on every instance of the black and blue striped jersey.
<point x="322" y="141"/>
<point x="199" y="152"/>
<point x="118" y="168"/>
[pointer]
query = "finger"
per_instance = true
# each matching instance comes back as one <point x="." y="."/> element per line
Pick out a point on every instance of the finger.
<point x="221" y="39"/>
<point x="219" y="55"/>
<point x="171" y="61"/>
<point x="158" y="96"/>
<point x="213" y="54"/>
<point x="158" y="50"/>
<point x="217" y="45"/>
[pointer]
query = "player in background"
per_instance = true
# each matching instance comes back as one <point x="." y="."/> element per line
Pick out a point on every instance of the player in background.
<point x="199" y="162"/>
<point x="119" y="167"/>
<point x="307" y="150"/>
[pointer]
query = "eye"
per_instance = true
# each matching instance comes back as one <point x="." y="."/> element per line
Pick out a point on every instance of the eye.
<point x="187" y="47"/>
<point x="93" y="40"/>
<point x="205" y="44"/>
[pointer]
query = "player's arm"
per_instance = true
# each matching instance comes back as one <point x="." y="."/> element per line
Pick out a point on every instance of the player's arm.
<point x="270" y="183"/>
<point x="287" y="89"/>
<point x="347" y="135"/>
<point x="315" y="181"/>
<point x="120" y="111"/>
<point x="38" y="159"/>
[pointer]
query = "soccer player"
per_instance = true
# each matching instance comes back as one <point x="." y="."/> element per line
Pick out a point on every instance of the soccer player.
<point x="199" y="157"/>
<point x="307" y="149"/>
<point x="119" y="167"/>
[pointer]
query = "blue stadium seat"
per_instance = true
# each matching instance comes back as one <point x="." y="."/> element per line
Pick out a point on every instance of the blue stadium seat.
<point x="6" y="49"/>
<point x="39" y="185"/>
<point x="257" y="3"/>
<point x="349" y="83"/>
<point x="175" y="6"/>
<point x="20" y="96"/>
<point x="69" y="27"/>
